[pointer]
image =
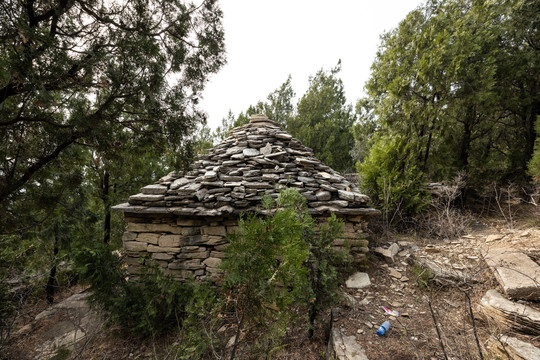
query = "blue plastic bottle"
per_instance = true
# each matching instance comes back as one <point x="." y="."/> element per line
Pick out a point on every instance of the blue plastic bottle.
<point x="383" y="328"/>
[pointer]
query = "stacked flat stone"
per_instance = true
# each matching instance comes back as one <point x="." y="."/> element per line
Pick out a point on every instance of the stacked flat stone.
<point x="256" y="159"/>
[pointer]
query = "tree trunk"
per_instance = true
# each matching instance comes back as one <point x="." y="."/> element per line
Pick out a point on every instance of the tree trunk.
<point x="49" y="288"/>
<point x="107" y="204"/>
<point x="465" y="145"/>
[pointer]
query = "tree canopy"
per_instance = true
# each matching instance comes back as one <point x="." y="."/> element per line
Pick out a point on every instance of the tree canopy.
<point x="91" y="73"/>
<point x="459" y="82"/>
<point x="324" y="120"/>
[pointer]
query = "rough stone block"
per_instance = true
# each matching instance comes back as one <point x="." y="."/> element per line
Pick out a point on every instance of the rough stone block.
<point x="193" y="264"/>
<point x="357" y="219"/>
<point x="517" y="273"/>
<point x="169" y="240"/>
<point x="214" y="271"/>
<point x="179" y="274"/>
<point x="193" y="240"/>
<point x="349" y="227"/>
<point x="346" y="195"/>
<point x="358" y="280"/>
<point x="323" y="195"/>
<point x="190" y="230"/>
<point x="161" y="263"/>
<point x="146" y="197"/>
<point x="161" y="249"/>
<point x="150" y="238"/>
<point x="394" y="249"/>
<point x="154" y="189"/>
<point x="360" y="243"/>
<point x="232" y="229"/>
<point x="212" y="262"/>
<point x="130" y="260"/>
<point x="228" y="221"/>
<point x="353" y="243"/>
<point x="213" y="230"/>
<point x="359" y="258"/>
<point x="190" y="222"/>
<point x="218" y="254"/>
<point x="388" y="254"/>
<point x="350" y="235"/>
<point x="162" y="256"/>
<point x="340" y="242"/>
<point x="129" y="236"/>
<point x="155" y="228"/>
<point x="134" y="269"/>
<point x="134" y="246"/>
<point x="193" y="255"/>
<point x="215" y="240"/>
<point x="344" y="347"/>
<point x="192" y="248"/>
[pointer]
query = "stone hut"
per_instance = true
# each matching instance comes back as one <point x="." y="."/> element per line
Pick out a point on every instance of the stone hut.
<point x="181" y="220"/>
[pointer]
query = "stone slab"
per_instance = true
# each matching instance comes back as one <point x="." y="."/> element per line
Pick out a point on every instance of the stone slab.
<point x="358" y="280"/>
<point x="150" y="238"/>
<point x="518" y="275"/>
<point x="169" y="240"/>
<point x="154" y="189"/>
<point x="515" y="348"/>
<point x="509" y="314"/>
<point x="342" y="347"/>
<point x="134" y="246"/>
<point x="159" y="228"/>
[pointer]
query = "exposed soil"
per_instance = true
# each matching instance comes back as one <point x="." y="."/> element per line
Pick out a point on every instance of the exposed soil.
<point x="413" y="334"/>
<point x="398" y="286"/>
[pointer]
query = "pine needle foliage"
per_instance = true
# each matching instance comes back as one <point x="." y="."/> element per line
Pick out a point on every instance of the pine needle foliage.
<point x="149" y="305"/>
<point x="279" y="266"/>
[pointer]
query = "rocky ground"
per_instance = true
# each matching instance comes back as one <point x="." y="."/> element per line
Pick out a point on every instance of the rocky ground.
<point x="429" y="282"/>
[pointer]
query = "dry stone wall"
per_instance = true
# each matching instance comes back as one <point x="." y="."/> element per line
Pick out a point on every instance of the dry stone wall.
<point x="194" y="247"/>
<point x="181" y="221"/>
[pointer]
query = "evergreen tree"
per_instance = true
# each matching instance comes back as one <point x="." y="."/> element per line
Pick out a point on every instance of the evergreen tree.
<point x="86" y="72"/>
<point x="324" y="120"/>
<point x="458" y="80"/>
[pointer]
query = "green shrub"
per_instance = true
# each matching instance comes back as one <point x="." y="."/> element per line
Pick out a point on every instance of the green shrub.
<point x="147" y="306"/>
<point x="324" y="263"/>
<point x="390" y="176"/>
<point x="533" y="166"/>
<point x="277" y="267"/>
<point x="265" y="268"/>
<point x="200" y="338"/>
<point x="281" y="265"/>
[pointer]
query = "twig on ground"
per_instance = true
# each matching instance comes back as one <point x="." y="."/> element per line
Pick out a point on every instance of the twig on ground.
<point x="474" y="325"/>
<point x="437" y="328"/>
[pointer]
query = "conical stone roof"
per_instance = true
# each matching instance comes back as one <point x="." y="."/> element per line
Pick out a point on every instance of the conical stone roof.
<point x="255" y="159"/>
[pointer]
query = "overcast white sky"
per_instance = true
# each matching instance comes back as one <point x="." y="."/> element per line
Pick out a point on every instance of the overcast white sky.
<point x="266" y="40"/>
